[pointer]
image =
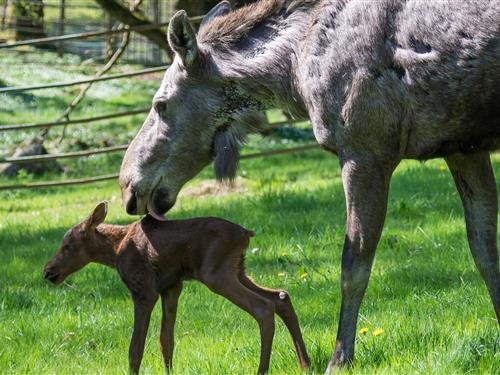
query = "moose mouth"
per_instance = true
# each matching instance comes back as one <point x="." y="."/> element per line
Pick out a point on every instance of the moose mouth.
<point x="156" y="204"/>
<point x="159" y="204"/>
<point x="154" y="214"/>
<point x="52" y="276"/>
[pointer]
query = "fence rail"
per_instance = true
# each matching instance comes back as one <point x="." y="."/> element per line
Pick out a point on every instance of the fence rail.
<point x="107" y="150"/>
<point x="65" y="155"/>
<point x="47" y="184"/>
<point x="81" y="181"/>
<point x="73" y="122"/>
<point x="108" y="77"/>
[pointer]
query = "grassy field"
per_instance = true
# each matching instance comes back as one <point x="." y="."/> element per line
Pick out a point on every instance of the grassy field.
<point x="425" y="293"/>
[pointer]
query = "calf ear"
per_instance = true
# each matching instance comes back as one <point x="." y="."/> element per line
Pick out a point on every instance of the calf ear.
<point x="182" y="38"/>
<point x="98" y="215"/>
<point x="221" y="9"/>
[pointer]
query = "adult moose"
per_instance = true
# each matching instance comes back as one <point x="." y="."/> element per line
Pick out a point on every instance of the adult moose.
<point x="381" y="81"/>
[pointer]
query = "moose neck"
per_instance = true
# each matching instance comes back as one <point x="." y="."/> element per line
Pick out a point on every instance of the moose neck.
<point x="106" y="243"/>
<point x="263" y="63"/>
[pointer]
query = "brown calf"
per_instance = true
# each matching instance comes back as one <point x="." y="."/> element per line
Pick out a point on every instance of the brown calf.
<point x="153" y="258"/>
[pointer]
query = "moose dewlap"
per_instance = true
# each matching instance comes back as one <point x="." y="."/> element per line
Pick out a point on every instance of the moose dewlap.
<point x="154" y="258"/>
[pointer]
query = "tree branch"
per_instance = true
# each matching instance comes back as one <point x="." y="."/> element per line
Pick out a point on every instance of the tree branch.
<point x="135" y="17"/>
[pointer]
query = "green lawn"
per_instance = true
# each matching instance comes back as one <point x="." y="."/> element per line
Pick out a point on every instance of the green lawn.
<point x="424" y="293"/>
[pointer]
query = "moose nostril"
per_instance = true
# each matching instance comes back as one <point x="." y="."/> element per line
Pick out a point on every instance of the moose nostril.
<point x="46" y="274"/>
<point x="132" y="205"/>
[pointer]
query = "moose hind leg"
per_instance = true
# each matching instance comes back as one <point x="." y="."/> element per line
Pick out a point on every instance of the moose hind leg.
<point x="285" y="310"/>
<point x="475" y="182"/>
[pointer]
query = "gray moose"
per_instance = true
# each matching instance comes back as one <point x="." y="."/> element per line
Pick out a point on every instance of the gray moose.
<point x="381" y="81"/>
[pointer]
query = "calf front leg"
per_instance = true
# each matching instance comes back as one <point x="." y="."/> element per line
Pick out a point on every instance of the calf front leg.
<point x="475" y="182"/>
<point x="169" y="300"/>
<point x="366" y="185"/>
<point x="143" y="307"/>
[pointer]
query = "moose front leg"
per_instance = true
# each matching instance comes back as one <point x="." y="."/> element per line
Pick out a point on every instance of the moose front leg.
<point x="366" y="185"/>
<point x="169" y="300"/>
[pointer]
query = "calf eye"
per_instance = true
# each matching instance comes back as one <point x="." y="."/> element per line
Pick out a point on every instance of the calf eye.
<point x="160" y="107"/>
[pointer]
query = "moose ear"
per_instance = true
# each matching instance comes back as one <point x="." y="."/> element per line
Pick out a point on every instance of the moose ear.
<point x="182" y="38"/>
<point x="221" y="9"/>
<point x="98" y="215"/>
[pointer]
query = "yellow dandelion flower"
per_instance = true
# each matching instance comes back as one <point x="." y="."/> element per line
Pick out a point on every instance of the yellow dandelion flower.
<point x="378" y="332"/>
<point x="363" y="331"/>
<point x="281" y="274"/>
<point x="303" y="275"/>
<point x="284" y="254"/>
<point x="442" y="168"/>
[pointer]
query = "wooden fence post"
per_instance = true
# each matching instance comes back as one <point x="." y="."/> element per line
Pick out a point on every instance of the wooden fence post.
<point x="60" y="47"/>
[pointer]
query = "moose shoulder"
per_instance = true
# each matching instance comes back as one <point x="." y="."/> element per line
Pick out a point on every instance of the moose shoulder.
<point x="381" y="81"/>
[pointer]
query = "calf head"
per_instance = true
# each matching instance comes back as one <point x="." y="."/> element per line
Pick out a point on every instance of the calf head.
<point x="77" y="248"/>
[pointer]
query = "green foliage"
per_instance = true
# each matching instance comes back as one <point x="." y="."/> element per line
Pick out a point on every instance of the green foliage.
<point x="424" y="293"/>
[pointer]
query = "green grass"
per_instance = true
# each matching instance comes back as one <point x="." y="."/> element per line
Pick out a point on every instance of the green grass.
<point x="424" y="292"/>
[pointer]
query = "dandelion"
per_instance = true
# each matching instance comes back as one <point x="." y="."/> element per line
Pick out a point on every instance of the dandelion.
<point x="363" y="331"/>
<point x="284" y="254"/>
<point x="378" y="332"/>
<point x="442" y="168"/>
<point x="281" y="274"/>
<point x="303" y="275"/>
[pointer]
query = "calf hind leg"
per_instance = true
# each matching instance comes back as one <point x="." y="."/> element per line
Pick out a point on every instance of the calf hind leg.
<point x="228" y="286"/>
<point x="285" y="311"/>
<point x="169" y="300"/>
<point x="475" y="182"/>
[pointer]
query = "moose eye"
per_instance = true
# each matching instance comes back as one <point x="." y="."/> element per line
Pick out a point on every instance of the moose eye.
<point x="160" y="107"/>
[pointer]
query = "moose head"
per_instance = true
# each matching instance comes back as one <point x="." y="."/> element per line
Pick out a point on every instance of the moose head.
<point x="197" y="116"/>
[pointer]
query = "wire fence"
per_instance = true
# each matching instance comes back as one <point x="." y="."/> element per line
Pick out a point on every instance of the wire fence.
<point x="85" y="29"/>
<point x="93" y="119"/>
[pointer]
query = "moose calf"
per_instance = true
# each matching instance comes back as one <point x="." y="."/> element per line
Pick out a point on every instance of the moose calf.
<point x="153" y="258"/>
